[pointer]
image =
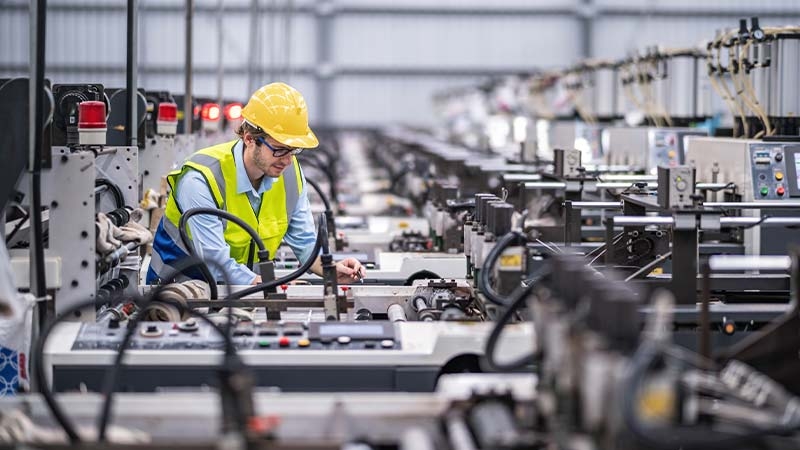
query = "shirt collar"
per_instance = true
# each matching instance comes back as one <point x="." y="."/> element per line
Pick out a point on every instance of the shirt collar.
<point x="243" y="184"/>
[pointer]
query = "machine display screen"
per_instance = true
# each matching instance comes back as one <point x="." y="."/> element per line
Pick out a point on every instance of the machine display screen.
<point x="796" y="158"/>
<point x="354" y="331"/>
<point x="793" y="168"/>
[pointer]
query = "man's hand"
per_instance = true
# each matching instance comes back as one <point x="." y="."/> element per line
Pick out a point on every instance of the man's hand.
<point x="256" y="280"/>
<point x="349" y="270"/>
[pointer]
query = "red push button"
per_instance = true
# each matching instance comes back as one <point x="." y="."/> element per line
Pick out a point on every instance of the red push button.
<point x="284" y="341"/>
<point x="780" y="191"/>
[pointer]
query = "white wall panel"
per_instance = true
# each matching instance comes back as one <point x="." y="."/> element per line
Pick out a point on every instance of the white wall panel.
<point x="453" y="41"/>
<point x="369" y="101"/>
<point x="81" y="38"/>
<point x="14" y="37"/>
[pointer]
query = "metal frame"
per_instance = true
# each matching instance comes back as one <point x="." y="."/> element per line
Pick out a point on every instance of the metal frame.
<point x="120" y="165"/>
<point x="157" y="159"/>
<point x="69" y="190"/>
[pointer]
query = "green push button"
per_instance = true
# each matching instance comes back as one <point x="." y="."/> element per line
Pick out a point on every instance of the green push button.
<point x="264" y="344"/>
<point x="764" y="191"/>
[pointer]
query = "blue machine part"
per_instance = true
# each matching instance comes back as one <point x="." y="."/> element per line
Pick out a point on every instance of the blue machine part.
<point x="9" y="372"/>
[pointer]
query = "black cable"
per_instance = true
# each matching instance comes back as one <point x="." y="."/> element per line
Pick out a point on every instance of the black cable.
<point x="322" y="239"/>
<point x="119" y="198"/>
<point x="730" y="185"/>
<point x="182" y="229"/>
<point x="316" y="164"/>
<point x="37" y="359"/>
<point x="112" y="376"/>
<point x="760" y="221"/>
<point x="320" y="193"/>
<point x="484" y="284"/>
<point x="519" y="297"/>
<point x="602" y="247"/>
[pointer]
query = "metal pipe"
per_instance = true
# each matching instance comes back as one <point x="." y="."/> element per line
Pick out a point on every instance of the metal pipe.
<point x="522" y="177"/>
<point x="597" y="205"/>
<point x="38" y="27"/>
<point x="640" y="221"/>
<point x="220" y="40"/>
<point x="396" y="313"/>
<point x="724" y="221"/>
<point x="716" y="186"/>
<point x="627" y="177"/>
<point x="762" y="222"/>
<point x="545" y="185"/>
<point x="131" y="79"/>
<point x="624" y="185"/>
<point x="728" y="263"/>
<point x="704" y="344"/>
<point x="753" y="205"/>
<point x="188" y="113"/>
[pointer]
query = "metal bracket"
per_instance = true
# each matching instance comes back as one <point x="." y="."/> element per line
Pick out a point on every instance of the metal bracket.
<point x="121" y="166"/>
<point x="69" y="190"/>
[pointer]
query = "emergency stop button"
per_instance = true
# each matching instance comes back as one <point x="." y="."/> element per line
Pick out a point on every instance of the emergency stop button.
<point x="780" y="191"/>
<point x="284" y="341"/>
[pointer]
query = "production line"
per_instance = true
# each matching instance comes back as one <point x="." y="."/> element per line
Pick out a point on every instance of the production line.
<point x="540" y="275"/>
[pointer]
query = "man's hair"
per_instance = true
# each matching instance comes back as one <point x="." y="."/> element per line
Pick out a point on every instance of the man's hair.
<point x="246" y="127"/>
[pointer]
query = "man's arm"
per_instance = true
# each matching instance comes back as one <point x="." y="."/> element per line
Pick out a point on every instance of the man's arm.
<point x="207" y="230"/>
<point x="302" y="235"/>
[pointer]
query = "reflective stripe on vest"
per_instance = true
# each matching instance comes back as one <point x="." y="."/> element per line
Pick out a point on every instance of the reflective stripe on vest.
<point x="217" y="165"/>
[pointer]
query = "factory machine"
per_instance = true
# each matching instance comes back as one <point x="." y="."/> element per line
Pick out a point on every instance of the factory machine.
<point x="590" y="89"/>
<point x="659" y="395"/>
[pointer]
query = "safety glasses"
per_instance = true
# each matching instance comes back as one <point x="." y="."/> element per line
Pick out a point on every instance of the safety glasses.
<point x="278" y="152"/>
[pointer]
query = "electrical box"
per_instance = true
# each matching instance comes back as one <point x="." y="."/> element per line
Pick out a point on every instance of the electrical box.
<point x="675" y="186"/>
<point x="567" y="162"/>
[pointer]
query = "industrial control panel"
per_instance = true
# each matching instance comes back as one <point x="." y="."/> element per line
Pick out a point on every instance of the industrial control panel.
<point x="194" y="335"/>
<point x="774" y="168"/>
<point x="665" y="146"/>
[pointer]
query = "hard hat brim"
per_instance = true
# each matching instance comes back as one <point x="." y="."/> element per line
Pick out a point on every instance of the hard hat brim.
<point x="308" y="140"/>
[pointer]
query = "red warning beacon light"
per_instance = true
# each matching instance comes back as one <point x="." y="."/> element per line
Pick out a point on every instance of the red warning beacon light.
<point x="167" y="119"/>
<point x="92" y="126"/>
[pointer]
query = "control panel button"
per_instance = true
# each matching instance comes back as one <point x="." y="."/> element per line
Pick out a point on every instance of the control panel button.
<point x="151" y="331"/>
<point x="369" y="344"/>
<point x="779" y="157"/>
<point x="344" y="340"/>
<point x="780" y="191"/>
<point x="387" y="343"/>
<point x="302" y="343"/>
<point x="284" y="341"/>
<point x="779" y="176"/>
<point x="671" y="154"/>
<point x="764" y="191"/>
<point x="189" y="325"/>
<point x="264" y="344"/>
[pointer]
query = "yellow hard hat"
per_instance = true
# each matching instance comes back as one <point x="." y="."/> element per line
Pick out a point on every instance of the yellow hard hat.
<point x="281" y="112"/>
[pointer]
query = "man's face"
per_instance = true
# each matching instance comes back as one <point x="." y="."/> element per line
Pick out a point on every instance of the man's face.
<point x="264" y="159"/>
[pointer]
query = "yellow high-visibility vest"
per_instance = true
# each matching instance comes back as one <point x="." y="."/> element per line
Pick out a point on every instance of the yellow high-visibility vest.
<point x="218" y="167"/>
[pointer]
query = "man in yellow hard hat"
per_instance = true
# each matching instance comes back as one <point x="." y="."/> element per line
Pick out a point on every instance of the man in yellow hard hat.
<point x="255" y="177"/>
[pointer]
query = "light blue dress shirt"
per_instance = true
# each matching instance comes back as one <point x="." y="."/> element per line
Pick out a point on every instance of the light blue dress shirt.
<point x="207" y="230"/>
